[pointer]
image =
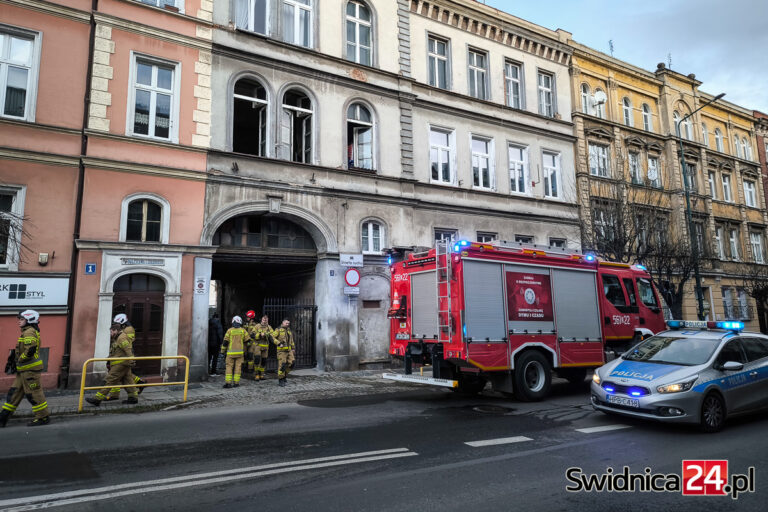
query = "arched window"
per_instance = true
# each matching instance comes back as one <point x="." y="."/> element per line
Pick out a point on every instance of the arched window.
<point x="359" y="33"/>
<point x="585" y="99"/>
<point x="647" y="118"/>
<point x="373" y="237"/>
<point x="736" y="147"/>
<point x="296" y="127"/>
<point x="249" y="120"/>
<point x="718" y="140"/>
<point x="676" y="120"/>
<point x="600" y="99"/>
<point x="626" y="106"/>
<point x="749" y="150"/>
<point x="704" y="135"/>
<point x="688" y="129"/>
<point x="143" y="222"/>
<point x="359" y="137"/>
<point x="744" y="147"/>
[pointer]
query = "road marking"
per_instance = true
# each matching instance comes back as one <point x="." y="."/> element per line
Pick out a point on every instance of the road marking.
<point x="502" y="440"/>
<point x="604" y="428"/>
<point x="180" y="482"/>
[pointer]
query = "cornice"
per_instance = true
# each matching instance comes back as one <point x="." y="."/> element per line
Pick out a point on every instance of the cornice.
<point x="106" y="245"/>
<point x="51" y="8"/>
<point x="144" y="141"/>
<point x="38" y="157"/>
<point x="154" y="32"/>
<point x="136" y="168"/>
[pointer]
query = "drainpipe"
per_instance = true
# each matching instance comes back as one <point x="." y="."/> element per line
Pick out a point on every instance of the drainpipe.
<point x="64" y="375"/>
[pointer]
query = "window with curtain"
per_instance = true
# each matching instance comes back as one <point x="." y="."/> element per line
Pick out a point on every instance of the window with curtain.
<point x="297" y="22"/>
<point x="252" y="15"/>
<point x="359" y="33"/>
<point x="359" y="137"/>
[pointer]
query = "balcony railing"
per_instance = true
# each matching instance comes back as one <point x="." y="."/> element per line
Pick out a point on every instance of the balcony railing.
<point x="736" y="312"/>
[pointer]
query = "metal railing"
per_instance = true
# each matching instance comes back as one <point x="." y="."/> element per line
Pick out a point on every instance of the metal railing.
<point x="737" y="312"/>
<point x="83" y="387"/>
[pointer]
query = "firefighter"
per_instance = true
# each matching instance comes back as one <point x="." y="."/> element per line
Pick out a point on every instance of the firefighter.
<point x="235" y="343"/>
<point x="282" y="337"/>
<point x="129" y="331"/>
<point x="250" y="326"/>
<point x="119" y="370"/>
<point x="29" y="366"/>
<point x="261" y="336"/>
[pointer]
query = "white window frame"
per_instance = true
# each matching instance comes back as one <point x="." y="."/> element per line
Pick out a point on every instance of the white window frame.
<point x="657" y="167"/>
<point x="250" y="23"/>
<point x="510" y="82"/>
<point x="548" y="171"/>
<point x="586" y="99"/>
<point x="451" y="149"/>
<point x="736" y="146"/>
<point x="33" y="71"/>
<point x="647" y="118"/>
<point x="691" y="175"/>
<point x="756" y="241"/>
<point x="544" y="91"/>
<point x="490" y="156"/>
<point x="733" y="243"/>
<point x="473" y="70"/>
<point x="599" y="104"/>
<point x="598" y="154"/>
<point x="719" y="140"/>
<point x="750" y="193"/>
<point x="297" y="7"/>
<point x="351" y="123"/>
<point x="719" y="234"/>
<point x="558" y="243"/>
<point x="704" y="135"/>
<point x="437" y="57"/>
<point x="635" y="175"/>
<point x="368" y="224"/>
<point x="179" y="4"/>
<point x="712" y="186"/>
<point x="727" y="193"/>
<point x="516" y="167"/>
<point x="267" y="112"/>
<point x="525" y="239"/>
<point x="626" y="108"/>
<point x="358" y="22"/>
<point x="165" y="215"/>
<point x="453" y="234"/>
<point x="173" y="132"/>
<point x="486" y="237"/>
<point x="13" y="252"/>
<point x="286" y="147"/>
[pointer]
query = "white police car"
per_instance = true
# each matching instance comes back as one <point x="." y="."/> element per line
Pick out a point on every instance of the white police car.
<point x="696" y="372"/>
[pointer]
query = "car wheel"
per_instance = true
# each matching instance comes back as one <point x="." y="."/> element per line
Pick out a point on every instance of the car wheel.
<point x="712" y="413"/>
<point x="533" y="377"/>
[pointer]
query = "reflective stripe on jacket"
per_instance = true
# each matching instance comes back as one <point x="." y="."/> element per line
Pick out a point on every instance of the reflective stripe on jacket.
<point x="261" y="334"/>
<point x="235" y="341"/>
<point x="28" y="350"/>
<point x="283" y="338"/>
<point x="121" y="346"/>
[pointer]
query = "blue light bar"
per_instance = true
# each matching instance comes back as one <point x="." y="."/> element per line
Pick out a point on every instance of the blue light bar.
<point x="589" y="257"/>
<point x="699" y="324"/>
<point x="609" y="389"/>
<point x="464" y="243"/>
<point x="731" y="326"/>
<point x="456" y="248"/>
<point x="641" y="267"/>
<point x="389" y="260"/>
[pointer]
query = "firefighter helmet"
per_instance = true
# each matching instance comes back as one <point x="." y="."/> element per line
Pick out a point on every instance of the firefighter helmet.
<point x="237" y="320"/>
<point x="120" y="319"/>
<point x="251" y="314"/>
<point x="30" y="315"/>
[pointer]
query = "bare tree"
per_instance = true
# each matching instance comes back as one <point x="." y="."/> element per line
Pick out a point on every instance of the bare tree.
<point x="755" y="284"/>
<point x="12" y="237"/>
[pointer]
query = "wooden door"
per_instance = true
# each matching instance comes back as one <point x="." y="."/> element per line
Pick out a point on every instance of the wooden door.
<point x="141" y="300"/>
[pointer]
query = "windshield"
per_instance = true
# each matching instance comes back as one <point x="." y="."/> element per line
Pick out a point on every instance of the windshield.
<point x="670" y="350"/>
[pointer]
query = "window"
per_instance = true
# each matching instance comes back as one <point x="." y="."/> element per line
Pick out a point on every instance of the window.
<point x="19" y="54"/>
<point x="743" y="304"/>
<point x="744" y="148"/>
<point x="297" y="22"/>
<point x="250" y="113"/>
<point x="626" y="106"/>
<point x="518" y="169"/>
<point x="629" y="286"/>
<point x="704" y="135"/>
<point x="557" y="243"/>
<point x="736" y="147"/>
<point x="487" y="238"/>
<point x="749" y="152"/>
<point x="586" y="99"/>
<point x="551" y="174"/>
<point x="252" y="15"/>
<point x="654" y="176"/>
<point x="546" y="96"/>
<point x="600" y="99"/>
<point x="482" y="163"/>
<point x="756" y="241"/>
<point x="732" y="350"/>
<point x="733" y="240"/>
<point x="749" y="193"/>
<point x="154" y="106"/>
<point x="690" y="177"/>
<point x="359" y="137"/>
<point x="179" y="4"/>
<point x="599" y="165"/>
<point x="634" y="169"/>
<point x="359" y="33"/>
<point x="372" y="237"/>
<point x="676" y="120"/>
<point x="718" y="140"/>
<point x="438" y="62"/>
<point x="512" y="78"/>
<point x="727" y="188"/>
<point x="698" y="230"/>
<point x="712" y="189"/>
<point x="478" y="69"/>
<point x="688" y="129"/>
<point x="647" y="118"/>
<point x="296" y="127"/>
<point x="524" y="239"/>
<point x="143" y="221"/>
<point x="441" y="155"/>
<point x="446" y="235"/>
<point x="755" y="348"/>
<point x="719" y="242"/>
<point x="11" y="217"/>
<point x="647" y="296"/>
<point x="613" y="291"/>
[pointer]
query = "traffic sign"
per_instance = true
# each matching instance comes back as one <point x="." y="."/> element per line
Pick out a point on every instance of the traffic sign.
<point x="352" y="277"/>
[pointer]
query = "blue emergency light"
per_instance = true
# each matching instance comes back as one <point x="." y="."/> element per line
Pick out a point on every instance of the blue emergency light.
<point x="389" y="260"/>
<point x="641" y="267"/>
<point x="589" y="257"/>
<point x="728" y="326"/>
<point x="461" y="243"/>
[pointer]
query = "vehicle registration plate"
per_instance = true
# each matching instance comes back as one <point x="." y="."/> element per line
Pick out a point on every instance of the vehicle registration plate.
<point x="620" y="400"/>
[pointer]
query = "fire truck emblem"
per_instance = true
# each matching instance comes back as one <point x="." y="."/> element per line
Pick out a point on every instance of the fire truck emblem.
<point x="530" y="296"/>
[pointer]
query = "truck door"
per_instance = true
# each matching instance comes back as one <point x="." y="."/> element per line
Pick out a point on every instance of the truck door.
<point x="617" y="311"/>
<point x="651" y="315"/>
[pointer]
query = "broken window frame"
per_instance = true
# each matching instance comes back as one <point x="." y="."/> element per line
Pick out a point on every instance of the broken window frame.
<point x="356" y="127"/>
<point x="263" y="114"/>
<point x="289" y="115"/>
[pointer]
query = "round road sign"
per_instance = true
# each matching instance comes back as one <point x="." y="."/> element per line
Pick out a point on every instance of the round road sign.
<point x="352" y="277"/>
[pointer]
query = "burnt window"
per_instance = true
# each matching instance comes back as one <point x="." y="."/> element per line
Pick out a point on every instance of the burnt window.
<point x="249" y="124"/>
<point x="296" y="127"/>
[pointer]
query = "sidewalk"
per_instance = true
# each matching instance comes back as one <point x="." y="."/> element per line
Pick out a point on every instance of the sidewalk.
<point x="309" y="384"/>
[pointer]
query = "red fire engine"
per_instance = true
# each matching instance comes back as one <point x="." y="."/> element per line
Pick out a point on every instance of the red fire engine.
<point x="511" y="313"/>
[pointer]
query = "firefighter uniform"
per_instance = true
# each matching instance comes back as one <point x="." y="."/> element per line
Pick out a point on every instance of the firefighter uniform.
<point x="235" y="343"/>
<point x="119" y="371"/>
<point x="260" y="346"/>
<point x="29" y="366"/>
<point x="252" y="349"/>
<point x="282" y="337"/>
<point x="131" y="333"/>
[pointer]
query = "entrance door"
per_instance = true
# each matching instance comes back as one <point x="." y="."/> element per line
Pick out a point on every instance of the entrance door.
<point x="301" y="314"/>
<point x="141" y="297"/>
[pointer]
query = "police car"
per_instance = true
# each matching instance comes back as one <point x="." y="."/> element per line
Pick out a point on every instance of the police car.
<point x="696" y="372"/>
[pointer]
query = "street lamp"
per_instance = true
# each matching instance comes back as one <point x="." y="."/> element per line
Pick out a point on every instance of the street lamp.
<point x="689" y="217"/>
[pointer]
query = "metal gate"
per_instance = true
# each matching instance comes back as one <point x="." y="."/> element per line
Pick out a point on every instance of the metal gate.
<point x="301" y="314"/>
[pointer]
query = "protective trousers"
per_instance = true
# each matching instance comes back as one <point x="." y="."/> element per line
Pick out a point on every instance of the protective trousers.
<point x="234" y="366"/>
<point x="260" y="364"/>
<point x="119" y="375"/>
<point x="285" y="359"/>
<point x="27" y="384"/>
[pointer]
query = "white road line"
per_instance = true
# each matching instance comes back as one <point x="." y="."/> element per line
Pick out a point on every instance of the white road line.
<point x="112" y="491"/>
<point x="604" y="428"/>
<point x="503" y="440"/>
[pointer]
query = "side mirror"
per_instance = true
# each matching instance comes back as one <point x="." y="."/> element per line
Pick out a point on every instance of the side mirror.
<point x="731" y="366"/>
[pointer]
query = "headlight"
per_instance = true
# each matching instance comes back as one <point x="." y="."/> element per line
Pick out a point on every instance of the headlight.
<point x="596" y="377"/>
<point x="678" y="386"/>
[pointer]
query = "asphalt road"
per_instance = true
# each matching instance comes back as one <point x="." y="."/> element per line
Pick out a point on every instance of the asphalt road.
<point x="426" y="449"/>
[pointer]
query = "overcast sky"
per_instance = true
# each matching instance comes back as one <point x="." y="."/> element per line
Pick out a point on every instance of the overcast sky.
<point x="724" y="43"/>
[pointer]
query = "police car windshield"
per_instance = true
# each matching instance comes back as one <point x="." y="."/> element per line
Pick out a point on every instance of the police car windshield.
<point x="683" y="350"/>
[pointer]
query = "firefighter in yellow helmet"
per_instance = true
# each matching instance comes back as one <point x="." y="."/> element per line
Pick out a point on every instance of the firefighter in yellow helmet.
<point x="129" y="331"/>
<point x="250" y="326"/>
<point x="282" y="337"/>
<point x="119" y="370"/>
<point x="261" y="336"/>
<point x="29" y="366"/>
<point x="235" y="344"/>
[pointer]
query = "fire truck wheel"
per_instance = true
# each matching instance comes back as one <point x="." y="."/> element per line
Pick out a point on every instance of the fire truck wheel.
<point x="533" y="377"/>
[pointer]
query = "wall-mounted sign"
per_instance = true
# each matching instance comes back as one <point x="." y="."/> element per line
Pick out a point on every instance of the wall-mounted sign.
<point x="90" y="269"/>
<point x="351" y="290"/>
<point x="351" y="260"/>
<point x="200" y="285"/>
<point x="352" y="277"/>
<point x="33" y="291"/>
<point x="143" y="261"/>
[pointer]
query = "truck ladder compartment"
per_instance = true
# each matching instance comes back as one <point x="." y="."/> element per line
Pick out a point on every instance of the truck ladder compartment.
<point x="421" y="379"/>
<point x="443" y="278"/>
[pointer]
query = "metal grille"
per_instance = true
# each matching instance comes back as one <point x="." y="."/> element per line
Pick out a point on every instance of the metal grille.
<point x="301" y="314"/>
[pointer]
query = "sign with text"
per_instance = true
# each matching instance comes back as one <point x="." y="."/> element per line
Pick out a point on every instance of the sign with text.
<point x="351" y="290"/>
<point x="201" y="287"/>
<point x="529" y="297"/>
<point x="33" y="291"/>
<point x="351" y="260"/>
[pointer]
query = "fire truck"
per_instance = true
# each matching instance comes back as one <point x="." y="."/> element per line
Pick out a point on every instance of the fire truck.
<point x="510" y="314"/>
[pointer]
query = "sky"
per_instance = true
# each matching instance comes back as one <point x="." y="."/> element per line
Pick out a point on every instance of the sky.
<point x="725" y="44"/>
